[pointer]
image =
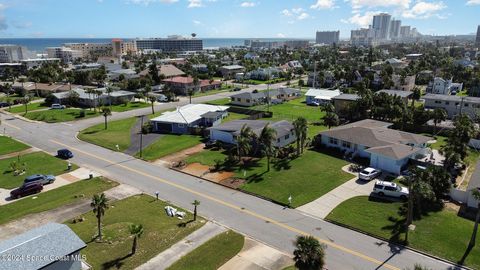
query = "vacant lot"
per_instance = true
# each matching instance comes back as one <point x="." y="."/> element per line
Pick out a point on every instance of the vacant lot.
<point x="160" y="232"/>
<point x="305" y="178"/>
<point x="213" y="254"/>
<point x="169" y="144"/>
<point x="55" y="116"/>
<point x="9" y="145"/>
<point x="54" y="198"/>
<point x="118" y="132"/>
<point x="441" y="233"/>
<point x="35" y="163"/>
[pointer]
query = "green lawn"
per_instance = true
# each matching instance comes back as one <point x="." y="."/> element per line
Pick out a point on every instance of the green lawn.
<point x="222" y="101"/>
<point x="293" y="109"/>
<point x="305" y="178"/>
<point x="118" y="132"/>
<point x="441" y="141"/>
<point x="129" y="106"/>
<point x="30" y="107"/>
<point x="160" y="232"/>
<point x="234" y="116"/>
<point x="440" y="233"/>
<point x="169" y="144"/>
<point x="212" y="254"/>
<point x="36" y="163"/>
<point x="54" y="198"/>
<point x="9" y="145"/>
<point x="55" y="116"/>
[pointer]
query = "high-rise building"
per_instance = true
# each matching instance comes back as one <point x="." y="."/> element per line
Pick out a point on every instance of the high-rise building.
<point x="381" y="24"/>
<point x="10" y="53"/>
<point x="363" y="37"/>
<point x="328" y="37"/>
<point x="395" y="29"/>
<point x="170" y="44"/>
<point x="66" y="54"/>
<point x="405" y="31"/>
<point x="478" y="37"/>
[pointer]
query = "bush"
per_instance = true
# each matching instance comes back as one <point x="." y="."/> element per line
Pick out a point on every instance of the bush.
<point x="147" y="128"/>
<point x="82" y="114"/>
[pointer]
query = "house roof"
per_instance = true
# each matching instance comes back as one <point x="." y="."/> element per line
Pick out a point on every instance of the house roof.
<point x="232" y="67"/>
<point x="395" y="151"/>
<point x="267" y="93"/>
<point x="377" y="136"/>
<point x="188" y="114"/>
<point x="45" y="242"/>
<point x="189" y="80"/>
<point x="281" y="128"/>
<point x="351" y="97"/>
<point x="400" y="93"/>
<point x="82" y="94"/>
<point x="451" y="98"/>
<point x="323" y="93"/>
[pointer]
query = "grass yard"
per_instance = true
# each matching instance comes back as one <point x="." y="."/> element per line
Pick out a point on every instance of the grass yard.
<point x="36" y="163"/>
<point x="129" y="106"/>
<point x="160" y="232"/>
<point x="30" y="107"/>
<point x="118" y="132"/>
<point x="9" y="145"/>
<point x="212" y="254"/>
<point x="55" y="116"/>
<point x="222" y="101"/>
<point x="440" y="233"/>
<point x="169" y="144"/>
<point x="305" y="178"/>
<point x="293" y="109"/>
<point x="441" y="141"/>
<point x="52" y="199"/>
<point x="234" y="116"/>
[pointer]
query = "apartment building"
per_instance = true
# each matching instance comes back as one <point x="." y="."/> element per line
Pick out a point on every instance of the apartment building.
<point x="328" y="37"/>
<point x="10" y="53"/>
<point x="453" y="105"/>
<point x="170" y="44"/>
<point x="67" y="55"/>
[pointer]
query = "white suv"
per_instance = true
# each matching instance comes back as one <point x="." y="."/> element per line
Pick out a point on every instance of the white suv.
<point x="57" y="106"/>
<point x="383" y="188"/>
<point x="369" y="174"/>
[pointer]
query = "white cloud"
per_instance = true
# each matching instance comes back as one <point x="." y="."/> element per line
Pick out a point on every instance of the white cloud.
<point x="424" y="10"/>
<point x="195" y="3"/>
<point x="323" y="4"/>
<point x="303" y="16"/>
<point x="361" y="20"/>
<point x="473" y="2"/>
<point x="248" y="4"/>
<point x="295" y="13"/>
<point x="148" y="2"/>
<point x="281" y="35"/>
<point x="356" y="4"/>
<point x="287" y="13"/>
<point x="197" y="22"/>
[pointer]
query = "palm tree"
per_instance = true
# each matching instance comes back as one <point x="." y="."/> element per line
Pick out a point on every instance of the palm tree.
<point x="438" y="115"/>
<point x="267" y="137"/>
<point x="25" y="101"/>
<point x="309" y="254"/>
<point x="244" y="142"/>
<point x="109" y="91"/>
<point x="99" y="204"/>
<point x="300" y="126"/>
<point x="476" y="196"/>
<point x="106" y="112"/>
<point x="136" y="230"/>
<point x="331" y="119"/>
<point x="195" y="203"/>
<point x="152" y="101"/>
<point x="90" y="91"/>
<point x="416" y="95"/>
<point x="190" y="94"/>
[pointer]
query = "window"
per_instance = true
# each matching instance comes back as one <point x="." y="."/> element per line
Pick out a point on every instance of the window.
<point x="390" y="188"/>
<point x="248" y="100"/>
<point x="465" y="105"/>
<point x="438" y="102"/>
<point x="333" y="141"/>
<point x="181" y="125"/>
<point x="346" y="144"/>
<point x="278" y="140"/>
<point x="287" y="136"/>
<point x="447" y="103"/>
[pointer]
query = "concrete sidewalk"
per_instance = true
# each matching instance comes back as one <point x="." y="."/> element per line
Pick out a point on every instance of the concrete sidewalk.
<point x="322" y="206"/>
<point x="182" y="248"/>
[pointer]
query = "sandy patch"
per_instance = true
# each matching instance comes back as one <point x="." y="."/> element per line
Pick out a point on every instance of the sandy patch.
<point x="218" y="176"/>
<point x="196" y="169"/>
<point x="182" y="155"/>
<point x="233" y="182"/>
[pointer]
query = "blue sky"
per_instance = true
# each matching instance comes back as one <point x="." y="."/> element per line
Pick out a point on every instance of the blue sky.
<point x="226" y="18"/>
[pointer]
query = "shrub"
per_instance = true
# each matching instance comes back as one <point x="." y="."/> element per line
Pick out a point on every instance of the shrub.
<point x="82" y="113"/>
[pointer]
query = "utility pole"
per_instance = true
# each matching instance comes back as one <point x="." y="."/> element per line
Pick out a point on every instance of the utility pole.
<point x="141" y="136"/>
<point x="314" y="75"/>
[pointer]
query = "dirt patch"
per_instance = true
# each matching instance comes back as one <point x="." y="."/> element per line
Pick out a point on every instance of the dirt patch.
<point x="196" y="169"/>
<point x="218" y="177"/>
<point x="453" y="206"/>
<point x="182" y="155"/>
<point x="233" y="182"/>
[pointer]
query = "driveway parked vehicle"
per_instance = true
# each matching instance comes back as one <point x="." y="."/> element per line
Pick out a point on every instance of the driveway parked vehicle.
<point x="383" y="188"/>
<point x="40" y="178"/>
<point x="369" y="174"/>
<point x="162" y="98"/>
<point x="211" y="144"/>
<point x="57" y="107"/>
<point x="26" y="189"/>
<point x="4" y="104"/>
<point x="64" y="154"/>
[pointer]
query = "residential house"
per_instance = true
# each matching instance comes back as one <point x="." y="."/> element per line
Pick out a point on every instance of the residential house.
<point x="320" y="96"/>
<point x="328" y="79"/>
<point x="189" y="116"/>
<point x="251" y="56"/>
<point x="443" y="87"/>
<point x="201" y="68"/>
<point x="248" y="99"/>
<point x="125" y="73"/>
<point x="51" y="246"/>
<point x="166" y="70"/>
<point x="387" y="149"/>
<point x="291" y="65"/>
<point x="405" y="84"/>
<point x="87" y="99"/>
<point x="228" y="132"/>
<point x="404" y="95"/>
<point x="182" y="85"/>
<point x="453" y="105"/>
<point x="396" y="63"/>
<point x="264" y="74"/>
<point x="343" y="101"/>
<point x="228" y="72"/>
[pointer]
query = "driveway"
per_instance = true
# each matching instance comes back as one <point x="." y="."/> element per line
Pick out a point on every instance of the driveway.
<point x="322" y="206"/>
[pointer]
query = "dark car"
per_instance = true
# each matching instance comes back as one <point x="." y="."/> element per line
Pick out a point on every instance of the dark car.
<point x="4" y="104"/>
<point x="211" y="144"/>
<point x="64" y="153"/>
<point x="236" y="89"/>
<point x="40" y="178"/>
<point x="26" y="189"/>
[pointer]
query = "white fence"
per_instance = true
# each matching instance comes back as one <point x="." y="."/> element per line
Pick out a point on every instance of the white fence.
<point x="463" y="197"/>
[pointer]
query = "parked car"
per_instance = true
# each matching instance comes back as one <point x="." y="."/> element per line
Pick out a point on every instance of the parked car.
<point x="4" y="104"/>
<point x="56" y="106"/>
<point x="236" y="89"/>
<point x="369" y="174"/>
<point x="383" y="188"/>
<point x="26" y="189"/>
<point x="64" y="154"/>
<point x="40" y="178"/>
<point x="211" y="144"/>
<point x="162" y="98"/>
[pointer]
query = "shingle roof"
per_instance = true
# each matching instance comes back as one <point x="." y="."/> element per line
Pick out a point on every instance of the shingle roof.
<point x="45" y="242"/>
<point x="400" y="93"/>
<point x="351" y="97"/>
<point x="396" y="151"/>
<point x="281" y="128"/>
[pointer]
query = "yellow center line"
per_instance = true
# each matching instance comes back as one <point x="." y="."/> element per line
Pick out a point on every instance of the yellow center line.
<point x="251" y="213"/>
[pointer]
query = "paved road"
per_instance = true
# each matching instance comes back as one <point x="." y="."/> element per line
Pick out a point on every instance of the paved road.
<point x="257" y="218"/>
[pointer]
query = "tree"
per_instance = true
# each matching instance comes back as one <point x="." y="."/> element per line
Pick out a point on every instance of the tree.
<point x="267" y="137"/>
<point x="99" y="204"/>
<point x="309" y="254"/>
<point x="153" y="71"/>
<point x="109" y="91"/>
<point x="190" y="93"/>
<point x="416" y="95"/>
<point x="152" y="101"/>
<point x="476" y="196"/>
<point x="106" y="112"/>
<point x="331" y="119"/>
<point x="438" y="115"/>
<point x="244" y="142"/>
<point x="25" y="101"/>
<point x="195" y="203"/>
<point x="300" y="126"/>
<point x="136" y="230"/>
<point x="456" y="148"/>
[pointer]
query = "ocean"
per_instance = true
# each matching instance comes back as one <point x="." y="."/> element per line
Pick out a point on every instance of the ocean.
<point x="39" y="44"/>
